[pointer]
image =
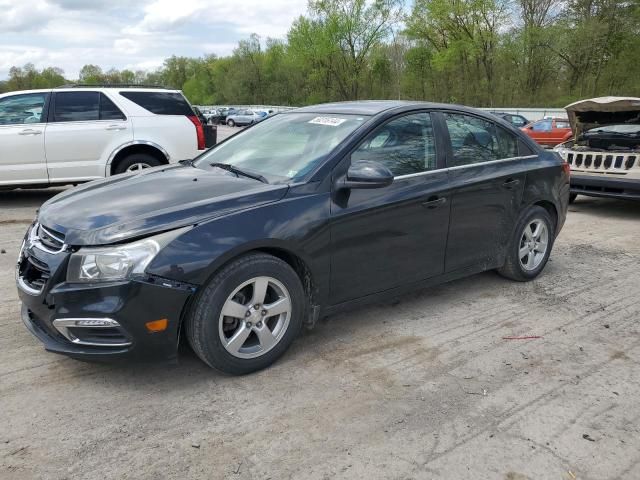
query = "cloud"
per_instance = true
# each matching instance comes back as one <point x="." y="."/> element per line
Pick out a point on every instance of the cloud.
<point x="23" y="16"/>
<point x="123" y="34"/>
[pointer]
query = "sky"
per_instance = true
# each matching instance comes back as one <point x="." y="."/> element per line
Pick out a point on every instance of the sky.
<point x="132" y="34"/>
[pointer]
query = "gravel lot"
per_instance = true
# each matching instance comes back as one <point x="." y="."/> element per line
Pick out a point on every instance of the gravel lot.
<point x="421" y="388"/>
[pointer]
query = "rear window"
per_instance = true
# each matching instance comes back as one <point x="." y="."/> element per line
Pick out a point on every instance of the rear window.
<point x="160" y="103"/>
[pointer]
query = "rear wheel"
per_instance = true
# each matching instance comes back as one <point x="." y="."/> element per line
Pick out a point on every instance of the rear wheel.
<point x="247" y="315"/>
<point x="572" y="197"/>
<point x="136" y="163"/>
<point x="530" y="246"/>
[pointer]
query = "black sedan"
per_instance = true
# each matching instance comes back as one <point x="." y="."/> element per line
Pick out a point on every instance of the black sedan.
<point x="308" y="213"/>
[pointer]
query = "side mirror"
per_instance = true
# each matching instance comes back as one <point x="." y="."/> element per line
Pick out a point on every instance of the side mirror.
<point x="367" y="174"/>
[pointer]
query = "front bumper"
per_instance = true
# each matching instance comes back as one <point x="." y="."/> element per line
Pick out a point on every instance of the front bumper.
<point x="131" y="304"/>
<point x="612" y="186"/>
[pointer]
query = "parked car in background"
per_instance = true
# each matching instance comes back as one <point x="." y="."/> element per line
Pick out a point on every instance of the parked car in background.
<point x="72" y="135"/>
<point x="310" y="213"/>
<point x="215" y="117"/>
<point x="514" y="119"/>
<point x="549" y="132"/>
<point x="604" y="153"/>
<point x="245" y="117"/>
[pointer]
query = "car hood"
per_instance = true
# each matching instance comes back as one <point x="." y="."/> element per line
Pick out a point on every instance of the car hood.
<point x="158" y="199"/>
<point x="597" y="112"/>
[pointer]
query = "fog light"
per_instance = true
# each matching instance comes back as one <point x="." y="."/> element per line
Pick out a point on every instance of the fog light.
<point x="93" y="323"/>
<point x="157" y="325"/>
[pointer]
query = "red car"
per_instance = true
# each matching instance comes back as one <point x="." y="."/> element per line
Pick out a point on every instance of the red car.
<point x="549" y="131"/>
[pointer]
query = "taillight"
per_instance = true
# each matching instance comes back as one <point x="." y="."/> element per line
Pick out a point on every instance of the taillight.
<point x="566" y="168"/>
<point x="199" y="131"/>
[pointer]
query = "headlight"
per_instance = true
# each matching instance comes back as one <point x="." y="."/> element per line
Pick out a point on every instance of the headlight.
<point x="119" y="262"/>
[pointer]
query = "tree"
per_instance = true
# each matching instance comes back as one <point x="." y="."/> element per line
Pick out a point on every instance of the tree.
<point x="339" y="36"/>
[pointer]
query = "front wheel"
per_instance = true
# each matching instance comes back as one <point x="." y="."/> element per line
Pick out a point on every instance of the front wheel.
<point x="231" y="123"/>
<point x="530" y="246"/>
<point x="572" y="197"/>
<point x="247" y="315"/>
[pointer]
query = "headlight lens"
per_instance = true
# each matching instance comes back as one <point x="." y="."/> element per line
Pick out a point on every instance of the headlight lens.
<point x="104" y="264"/>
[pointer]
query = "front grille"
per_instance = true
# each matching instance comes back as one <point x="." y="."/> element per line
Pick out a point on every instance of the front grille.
<point x="50" y="239"/>
<point x="619" y="163"/>
<point x="34" y="274"/>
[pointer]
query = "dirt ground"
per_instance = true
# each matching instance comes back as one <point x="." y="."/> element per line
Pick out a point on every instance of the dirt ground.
<point x="423" y="388"/>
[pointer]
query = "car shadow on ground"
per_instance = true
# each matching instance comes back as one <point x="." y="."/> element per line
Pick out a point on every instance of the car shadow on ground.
<point x="606" y="207"/>
<point x="27" y="198"/>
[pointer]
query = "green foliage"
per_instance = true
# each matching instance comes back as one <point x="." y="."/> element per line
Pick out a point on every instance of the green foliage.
<point x="476" y="52"/>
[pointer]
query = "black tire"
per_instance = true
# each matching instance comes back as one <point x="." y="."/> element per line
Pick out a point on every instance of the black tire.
<point x="572" y="197"/>
<point x="136" y="158"/>
<point x="202" y="321"/>
<point x="512" y="268"/>
<point x="231" y="123"/>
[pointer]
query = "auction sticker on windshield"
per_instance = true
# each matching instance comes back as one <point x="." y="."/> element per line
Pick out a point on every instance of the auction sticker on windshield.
<point x="330" y="121"/>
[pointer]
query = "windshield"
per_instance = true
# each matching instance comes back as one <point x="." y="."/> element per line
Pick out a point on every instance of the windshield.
<point x="284" y="147"/>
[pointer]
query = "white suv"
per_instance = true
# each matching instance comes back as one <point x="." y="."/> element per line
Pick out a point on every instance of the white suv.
<point x="71" y="135"/>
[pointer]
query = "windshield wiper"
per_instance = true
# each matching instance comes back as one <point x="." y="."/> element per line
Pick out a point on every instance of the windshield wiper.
<point x="238" y="171"/>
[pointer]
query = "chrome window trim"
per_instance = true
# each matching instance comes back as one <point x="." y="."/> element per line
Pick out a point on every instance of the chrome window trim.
<point x="63" y="324"/>
<point x="459" y="167"/>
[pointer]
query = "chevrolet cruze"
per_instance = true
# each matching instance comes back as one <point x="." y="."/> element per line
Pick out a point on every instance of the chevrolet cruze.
<point x="302" y="215"/>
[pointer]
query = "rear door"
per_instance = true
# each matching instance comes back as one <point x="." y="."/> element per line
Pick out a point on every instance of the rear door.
<point x="387" y="237"/>
<point x="487" y="176"/>
<point x="22" y="126"/>
<point x="84" y="128"/>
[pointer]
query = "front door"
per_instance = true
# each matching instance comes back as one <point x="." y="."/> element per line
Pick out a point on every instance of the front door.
<point x="387" y="237"/>
<point x="22" y="127"/>
<point x="487" y="178"/>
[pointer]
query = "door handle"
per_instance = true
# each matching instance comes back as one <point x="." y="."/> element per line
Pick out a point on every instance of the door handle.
<point x="30" y="131"/>
<point x="116" y="127"/>
<point x="510" y="183"/>
<point x="434" y="202"/>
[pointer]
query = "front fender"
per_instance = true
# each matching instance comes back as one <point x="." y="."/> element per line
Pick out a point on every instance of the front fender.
<point x="298" y="226"/>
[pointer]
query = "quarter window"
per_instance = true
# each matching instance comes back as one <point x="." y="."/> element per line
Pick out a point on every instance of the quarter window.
<point x="405" y="145"/>
<point x="21" y="109"/>
<point x="160" y="103"/>
<point x="474" y="140"/>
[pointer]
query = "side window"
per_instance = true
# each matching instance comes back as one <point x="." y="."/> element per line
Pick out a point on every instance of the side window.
<point x="108" y="109"/>
<point x="76" y="106"/>
<point x="474" y="140"/>
<point x="562" y="124"/>
<point x="21" y="109"/>
<point x="405" y="145"/>
<point x="518" y="121"/>
<point x="542" y="126"/>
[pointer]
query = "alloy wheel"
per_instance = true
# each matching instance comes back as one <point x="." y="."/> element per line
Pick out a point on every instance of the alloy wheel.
<point x="136" y="167"/>
<point x="533" y="244"/>
<point x="255" y="317"/>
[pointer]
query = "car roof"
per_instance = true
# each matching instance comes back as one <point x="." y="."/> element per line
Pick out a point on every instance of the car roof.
<point x="374" y="107"/>
<point x="89" y="88"/>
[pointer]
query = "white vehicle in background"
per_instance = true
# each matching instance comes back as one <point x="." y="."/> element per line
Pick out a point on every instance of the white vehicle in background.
<point x="75" y="134"/>
<point x="604" y="153"/>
